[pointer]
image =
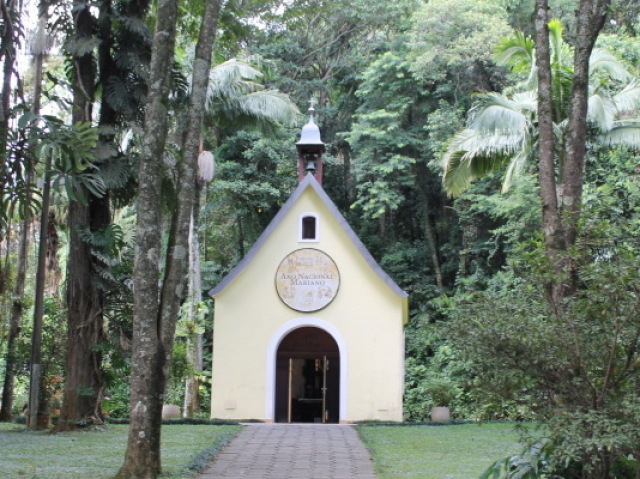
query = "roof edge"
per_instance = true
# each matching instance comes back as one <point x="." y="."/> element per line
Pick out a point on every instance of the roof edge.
<point x="309" y="181"/>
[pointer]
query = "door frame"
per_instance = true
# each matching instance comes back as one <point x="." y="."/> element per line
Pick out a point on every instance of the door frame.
<point x="272" y="352"/>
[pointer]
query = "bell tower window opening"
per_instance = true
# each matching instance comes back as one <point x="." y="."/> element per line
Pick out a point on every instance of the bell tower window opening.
<point x="309" y="227"/>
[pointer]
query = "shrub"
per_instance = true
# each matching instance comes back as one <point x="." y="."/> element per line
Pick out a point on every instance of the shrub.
<point x="578" y="362"/>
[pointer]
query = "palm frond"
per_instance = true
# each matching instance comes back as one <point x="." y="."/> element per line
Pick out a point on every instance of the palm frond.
<point x="502" y="130"/>
<point x="471" y="155"/>
<point x="516" y="52"/>
<point x="601" y="112"/>
<point x="497" y="113"/>
<point x="517" y="166"/>
<point x="628" y="100"/>
<point x="457" y="175"/>
<point x="556" y="41"/>
<point x="559" y="130"/>
<point x="232" y="78"/>
<point x="624" y="133"/>
<point x="604" y="60"/>
<point x="526" y="100"/>
<point x="495" y="145"/>
<point x="270" y="105"/>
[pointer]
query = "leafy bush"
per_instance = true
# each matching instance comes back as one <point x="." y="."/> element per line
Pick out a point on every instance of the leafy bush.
<point x="533" y="463"/>
<point x="116" y="401"/>
<point x="539" y="461"/>
<point x="441" y="391"/>
<point x="577" y="363"/>
<point x="180" y="366"/>
<point x="435" y="374"/>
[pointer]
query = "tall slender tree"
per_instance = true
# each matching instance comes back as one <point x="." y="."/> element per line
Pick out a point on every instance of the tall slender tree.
<point x="234" y="98"/>
<point x="156" y="308"/>
<point x="17" y="310"/>
<point x="561" y="202"/>
<point x="550" y="214"/>
<point x="142" y="458"/>
<point x="10" y="35"/>
<point x="39" y="50"/>
<point x="83" y="381"/>
<point x="117" y="66"/>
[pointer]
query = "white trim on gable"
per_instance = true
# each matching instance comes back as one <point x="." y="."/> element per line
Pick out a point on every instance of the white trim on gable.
<point x="310" y="182"/>
<point x="301" y="218"/>
<point x="272" y="351"/>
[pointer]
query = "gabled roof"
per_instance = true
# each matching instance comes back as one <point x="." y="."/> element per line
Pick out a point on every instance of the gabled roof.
<point x="308" y="182"/>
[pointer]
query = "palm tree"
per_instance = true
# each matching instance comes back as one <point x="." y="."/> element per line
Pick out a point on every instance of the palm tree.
<point x="235" y="97"/>
<point x="501" y="130"/>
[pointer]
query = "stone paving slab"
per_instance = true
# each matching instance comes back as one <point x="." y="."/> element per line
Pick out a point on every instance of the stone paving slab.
<point x="293" y="451"/>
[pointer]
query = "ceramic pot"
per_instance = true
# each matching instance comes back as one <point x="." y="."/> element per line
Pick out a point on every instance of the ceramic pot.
<point x="170" y="411"/>
<point x="440" y="414"/>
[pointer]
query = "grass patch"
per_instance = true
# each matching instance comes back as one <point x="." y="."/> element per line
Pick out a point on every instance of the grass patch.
<point x="98" y="453"/>
<point x="443" y="452"/>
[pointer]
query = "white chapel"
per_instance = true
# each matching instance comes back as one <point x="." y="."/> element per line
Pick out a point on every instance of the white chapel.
<point x="308" y="327"/>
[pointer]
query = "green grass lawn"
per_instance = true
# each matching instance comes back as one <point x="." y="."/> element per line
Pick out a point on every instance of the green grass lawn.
<point x="438" y="452"/>
<point x="412" y="452"/>
<point x="98" y="453"/>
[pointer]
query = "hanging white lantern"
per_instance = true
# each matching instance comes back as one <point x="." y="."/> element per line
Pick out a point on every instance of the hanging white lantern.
<point x="206" y="166"/>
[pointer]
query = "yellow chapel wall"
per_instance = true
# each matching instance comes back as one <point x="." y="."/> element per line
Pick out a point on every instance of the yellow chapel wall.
<point x="366" y="315"/>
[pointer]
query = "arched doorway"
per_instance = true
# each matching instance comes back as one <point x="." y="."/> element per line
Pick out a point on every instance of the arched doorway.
<point x="307" y="379"/>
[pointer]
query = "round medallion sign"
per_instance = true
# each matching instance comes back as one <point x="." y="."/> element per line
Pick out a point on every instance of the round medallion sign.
<point x="307" y="280"/>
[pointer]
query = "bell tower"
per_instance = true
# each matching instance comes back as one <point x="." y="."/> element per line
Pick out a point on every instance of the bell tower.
<point x="310" y="149"/>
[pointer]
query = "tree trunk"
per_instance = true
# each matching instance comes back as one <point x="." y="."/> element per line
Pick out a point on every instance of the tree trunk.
<point x="9" y="14"/>
<point x="9" y="36"/>
<point x="155" y="322"/>
<point x="194" y="341"/>
<point x="53" y="272"/>
<point x="35" y="382"/>
<point x="14" y="325"/>
<point x="142" y="457"/>
<point x="591" y="16"/>
<point x="36" y="394"/>
<point x="469" y="238"/>
<point x="560" y="212"/>
<point x="551" y="226"/>
<point x="192" y="383"/>
<point x="344" y="151"/>
<point x="174" y="284"/>
<point x="429" y="228"/>
<point x="84" y="384"/>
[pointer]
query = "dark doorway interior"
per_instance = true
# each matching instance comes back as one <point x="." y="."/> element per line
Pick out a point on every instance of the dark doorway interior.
<point x="308" y="377"/>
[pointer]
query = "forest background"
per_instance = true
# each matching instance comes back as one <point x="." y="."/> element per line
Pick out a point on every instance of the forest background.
<point x="407" y="94"/>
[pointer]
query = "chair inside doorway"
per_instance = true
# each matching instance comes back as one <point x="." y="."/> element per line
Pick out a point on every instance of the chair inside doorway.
<point x="308" y="377"/>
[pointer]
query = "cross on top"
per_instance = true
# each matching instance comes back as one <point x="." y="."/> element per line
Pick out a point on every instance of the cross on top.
<point x="312" y="103"/>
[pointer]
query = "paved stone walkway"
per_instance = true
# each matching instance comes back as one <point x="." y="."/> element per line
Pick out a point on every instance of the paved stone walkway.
<point x="293" y="451"/>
